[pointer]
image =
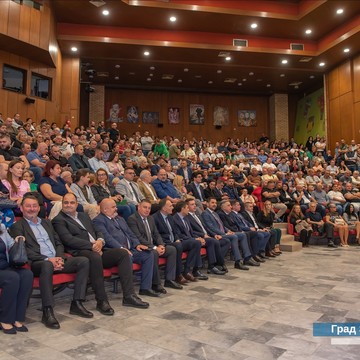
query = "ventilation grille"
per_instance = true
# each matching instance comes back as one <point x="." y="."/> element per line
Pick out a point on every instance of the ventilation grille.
<point x="297" y="46"/>
<point x="240" y="42"/>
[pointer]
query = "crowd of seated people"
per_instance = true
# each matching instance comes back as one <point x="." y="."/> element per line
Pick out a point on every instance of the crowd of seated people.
<point x="92" y="199"/>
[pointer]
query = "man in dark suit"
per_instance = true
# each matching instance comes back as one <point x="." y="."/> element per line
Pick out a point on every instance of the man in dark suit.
<point x="231" y="189"/>
<point x="46" y="256"/>
<point x="79" y="237"/>
<point x="117" y="234"/>
<point x="144" y="228"/>
<point x="78" y="160"/>
<point x="216" y="247"/>
<point x="185" y="171"/>
<point x="214" y="226"/>
<point x="166" y="228"/>
<point x="195" y="188"/>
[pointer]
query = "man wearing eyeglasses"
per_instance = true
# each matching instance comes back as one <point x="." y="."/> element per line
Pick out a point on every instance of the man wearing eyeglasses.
<point x="129" y="188"/>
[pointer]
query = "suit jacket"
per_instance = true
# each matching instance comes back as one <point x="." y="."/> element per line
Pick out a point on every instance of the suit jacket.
<point x="124" y="188"/>
<point x="22" y="228"/>
<point x="232" y="192"/>
<point x="244" y="224"/>
<point x="75" y="188"/>
<point x="73" y="236"/>
<point x="146" y="192"/>
<point x="195" y="227"/>
<point x="100" y="193"/>
<point x="137" y="226"/>
<point x="195" y="192"/>
<point x="116" y="234"/>
<point x="212" y="193"/>
<point x="165" y="188"/>
<point x="210" y="224"/>
<point x="248" y="218"/>
<point x="184" y="233"/>
<point x="77" y="163"/>
<point x="163" y="228"/>
<point x="229" y="221"/>
<point x="180" y="171"/>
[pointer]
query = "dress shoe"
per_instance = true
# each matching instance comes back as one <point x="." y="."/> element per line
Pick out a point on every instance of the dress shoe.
<point x="181" y="280"/>
<point x="21" y="328"/>
<point x="216" y="271"/>
<point x="190" y="277"/>
<point x="148" y="292"/>
<point x="134" y="301"/>
<point x="240" y="266"/>
<point x="223" y="268"/>
<point x="172" y="284"/>
<point x="11" y="331"/>
<point x="270" y="255"/>
<point x="159" y="289"/>
<point x="251" y="262"/>
<point x="48" y="318"/>
<point x="198" y="275"/>
<point x="258" y="259"/>
<point x="332" y="245"/>
<point x="104" y="308"/>
<point x="263" y="256"/>
<point x="77" y="308"/>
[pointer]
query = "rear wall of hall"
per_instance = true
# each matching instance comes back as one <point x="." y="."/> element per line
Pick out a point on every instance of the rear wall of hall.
<point x="161" y="101"/>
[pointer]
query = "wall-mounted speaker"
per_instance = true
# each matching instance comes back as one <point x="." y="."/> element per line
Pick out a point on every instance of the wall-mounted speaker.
<point x="29" y="100"/>
<point x="160" y="125"/>
<point x="218" y="127"/>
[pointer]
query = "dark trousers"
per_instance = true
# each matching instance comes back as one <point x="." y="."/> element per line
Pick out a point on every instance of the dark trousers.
<point x="16" y="286"/>
<point x="109" y="258"/>
<point x="45" y="270"/>
<point x="193" y="259"/>
<point x="216" y="250"/>
<point x="244" y="244"/>
<point x="263" y="239"/>
<point x="253" y="242"/>
<point x="170" y="267"/>
<point x="149" y="268"/>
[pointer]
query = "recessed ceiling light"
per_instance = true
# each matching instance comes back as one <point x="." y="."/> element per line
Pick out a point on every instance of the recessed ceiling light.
<point x="284" y="61"/>
<point x="219" y="71"/>
<point x="251" y="73"/>
<point x="239" y="84"/>
<point x="117" y="66"/>
<point x="254" y="26"/>
<point x="210" y="82"/>
<point x="308" y="31"/>
<point x="243" y="79"/>
<point x="116" y="78"/>
<point x="228" y="58"/>
<point x="146" y="53"/>
<point x="172" y="18"/>
<point x="74" y="49"/>
<point x="151" y="75"/>
<point x="296" y="86"/>
<point x="312" y="76"/>
<point x="322" y="64"/>
<point x="152" y="67"/>
<point x="131" y="73"/>
<point x="339" y="11"/>
<point x="346" y="50"/>
<point x="282" y="75"/>
<point x="179" y="81"/>
<point x="197" y="76"/>
<point x="148" y="79"/>
<point x="186" y="70"/>
<point x="105" y="12"/>
<point x="268" y="85"/>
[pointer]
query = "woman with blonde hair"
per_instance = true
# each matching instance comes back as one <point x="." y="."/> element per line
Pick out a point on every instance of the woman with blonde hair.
<point x="179" y="183"/>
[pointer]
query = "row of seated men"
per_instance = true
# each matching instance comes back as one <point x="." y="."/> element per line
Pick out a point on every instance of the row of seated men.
<point x="108" y="240"/>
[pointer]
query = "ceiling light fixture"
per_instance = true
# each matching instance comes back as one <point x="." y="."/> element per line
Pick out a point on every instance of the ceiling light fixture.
<point x="186" y="70"/>
<point x="151" y="75"/>
<point x="228" y="58"/>
<point x="311" y="76"/>
<point x="346" y="50"/>
<point x="251" y="73"/>
<point x="210" y="82"/>
<point x="219" y="71"/>
<point x="339" y="11"/>
<point x="172" y="18"/>
<point x="254" y="26"/>
<point x="322" y="64"/>
<point x="179" y="81"/>
<point x="148" y="79"/>
<point x="239" y="84"/>
<point x="105" y="12"/>
<point x="282" y="75"/>
<point x="284" y="61"/>
<point x="308" y="31"/>
<point x="116" y="78"/>
<point x="152" y="67"/>
<point x="268" y="85"/>
<point x="117" y="66"/>
<point x="74" y="49"/>
<point x="146" y="53"/>
<point x="244" y="80"/>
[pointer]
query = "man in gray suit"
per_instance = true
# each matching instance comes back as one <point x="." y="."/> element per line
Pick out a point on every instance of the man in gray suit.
<point x="128" y="188"/>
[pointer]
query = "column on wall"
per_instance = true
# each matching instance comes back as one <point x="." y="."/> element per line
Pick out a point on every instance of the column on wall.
<point x="279" y="117"/>
<point x="97" y="104"/>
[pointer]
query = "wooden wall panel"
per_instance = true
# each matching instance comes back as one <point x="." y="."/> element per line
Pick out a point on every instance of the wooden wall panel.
<point x="4" y="11"/>
<point x="161" y="101"/>
<point x="357" y="121"/>
<point x="346" y="116"/>
<point x="333" y="81"/>
<point x="44" y="28"/>
<point x="334" y="121"/>
<point x="356" y="80"/>
<point x="345" y="80"/>
<point x="35" y="20"/>
<point x="24" y="29"/>
<point x="13" y="20"/>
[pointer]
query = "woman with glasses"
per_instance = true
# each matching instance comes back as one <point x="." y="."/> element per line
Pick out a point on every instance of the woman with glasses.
<point x="102" y="189"/>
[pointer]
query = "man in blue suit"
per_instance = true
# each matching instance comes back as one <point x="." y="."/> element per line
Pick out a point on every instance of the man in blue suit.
<point x="117" y="234"/>
<point x="214" y="226"/>
<point x="164" y="187"/>
<point x="216" y="247"/>
<point x="185" y="171"/>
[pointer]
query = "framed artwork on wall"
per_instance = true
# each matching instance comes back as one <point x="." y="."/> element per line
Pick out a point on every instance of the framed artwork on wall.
<point x="115" y="114"/>
<point x="221" y="116"/>
<point x="174" y="115"/>
<point x="132" y="114"/>
<point x="197" y="114"/>
<point x="150" y="117"/>
<point x="247" y="118"/>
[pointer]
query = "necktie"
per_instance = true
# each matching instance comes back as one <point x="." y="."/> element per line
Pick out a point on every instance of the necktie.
<point x="135" y="196"/>
<point x="170" y="229"/>
<point x="199" y="222"/>
<point x="147" y="229"/>
<point x="218" y="220"/>
<point x="186" y="225"/>
<point x="117" y="225"/>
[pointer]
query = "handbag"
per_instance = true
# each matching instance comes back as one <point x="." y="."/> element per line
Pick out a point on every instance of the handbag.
<point x="6" y="203"/>
<point x="17" y="254"/>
